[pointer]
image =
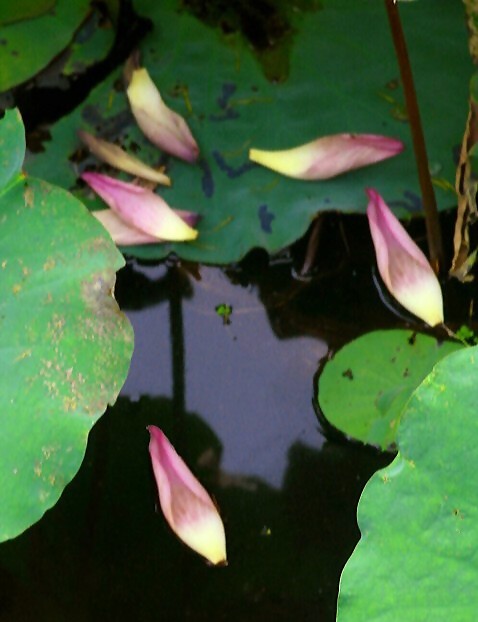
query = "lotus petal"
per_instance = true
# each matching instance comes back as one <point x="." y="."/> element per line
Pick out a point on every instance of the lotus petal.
<point x="141" y="208"/>
<point x="116" y="156"/>
<point x="328" y="156"/>
<point x="161" y="125"/>
<point x="402" y="265"/>
<point x="186" y="505"/>
<point x="126" y="235"/>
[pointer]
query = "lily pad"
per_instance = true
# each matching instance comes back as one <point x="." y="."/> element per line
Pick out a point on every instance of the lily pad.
<point x="417" y="559"/>
<point x="90" y="45"/>
<point x="27" y="46"/>
<point x="16" y="10"/>
<point x="12" y="148"/>
<point x="337" y="73"/>
<point x="65" y="347"/>
<point x="364" y="388"/>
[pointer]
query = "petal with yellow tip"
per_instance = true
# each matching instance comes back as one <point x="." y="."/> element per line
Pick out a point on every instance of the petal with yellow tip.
<point x="119" y="158"/>
<point x="161" y="125"/>
<point x="185" y="504"/>
<point x="141" y="208"/>
<point x="123" y="234"/>
<point x="328" y="156"/>
<point x="402" y="265"/>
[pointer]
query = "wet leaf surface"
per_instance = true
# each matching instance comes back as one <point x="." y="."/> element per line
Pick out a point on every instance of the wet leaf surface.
<point x="341" y="54"/>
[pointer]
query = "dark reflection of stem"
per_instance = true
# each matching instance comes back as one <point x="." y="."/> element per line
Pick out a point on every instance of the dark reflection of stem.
<point x="435" y="245"/>
<point x="176" y="328"/>
<point x="177" y="341"/>
<point x="312" y="245"/>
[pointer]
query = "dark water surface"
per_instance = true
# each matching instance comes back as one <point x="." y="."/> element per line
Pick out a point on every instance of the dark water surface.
<point x="236" y="399"/>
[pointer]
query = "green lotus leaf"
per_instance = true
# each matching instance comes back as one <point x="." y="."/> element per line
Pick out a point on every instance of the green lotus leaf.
<point x="65" y="347"/>
<point x="334" y="71"/>
<point x="90" y="45"/>
<point x="363" y="389"/>
<point x="16" y="10"/>
<point x="28" y="46"/>
<point x="417" y="558"/>
<point x="12" y="149"/>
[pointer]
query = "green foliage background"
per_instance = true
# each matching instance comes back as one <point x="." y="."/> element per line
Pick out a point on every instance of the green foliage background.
<point x="336" y="73"/>
<point x="417" y="558"/>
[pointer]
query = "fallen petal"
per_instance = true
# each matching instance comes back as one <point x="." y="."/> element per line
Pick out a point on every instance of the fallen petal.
<point x="123" y="234"/>
<point x="141" y="208"/>
<point x="186" y="505"/>
<point x="116" y="156"/>
<point x="402" y="265"/>
<point x="329" y="156"/>
<point x="161" y="125"/>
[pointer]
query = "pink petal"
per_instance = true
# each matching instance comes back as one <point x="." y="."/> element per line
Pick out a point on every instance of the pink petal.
<point x="122" y="233"/>
<point x="190" y="218"/>
<point x="161" y="125"/>
<point x="141" y="208"/>
<point x="329" y="156"/>
<point x="186" y="505"/>
<point x="402" y="265"/>
<point x="126" y="235"/>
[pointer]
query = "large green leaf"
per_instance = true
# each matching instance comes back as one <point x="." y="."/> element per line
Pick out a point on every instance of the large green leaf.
<point x="28" y="46"/>
<point x="417" y="559"/>
<point x="364" y="388"/>
<point x="12" y="148"/>
<point x="64" y="346"/>
<point x="16" y="10"/>
<point x="336" y="73"/>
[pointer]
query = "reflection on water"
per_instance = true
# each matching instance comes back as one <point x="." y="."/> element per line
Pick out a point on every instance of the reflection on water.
<point x="252" y="388"/>
<point x="236" y="401"/>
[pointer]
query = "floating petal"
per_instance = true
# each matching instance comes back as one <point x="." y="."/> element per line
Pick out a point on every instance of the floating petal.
<point x="116" y="156"/>
<point x="161" y="125"/>
<point x="126" y="235"/>
<point x="402" y="265"/>
<point x="141" y="208"/>
<point x="186" y="505"/>
<point x="329" y="156"/>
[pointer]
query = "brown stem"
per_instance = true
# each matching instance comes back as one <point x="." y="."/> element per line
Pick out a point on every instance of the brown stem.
<point x="435" y="246"/>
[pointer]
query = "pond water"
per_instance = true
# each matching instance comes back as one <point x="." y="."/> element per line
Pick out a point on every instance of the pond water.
<point x="235" y="394"/>
<point x="228" y="376"/>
